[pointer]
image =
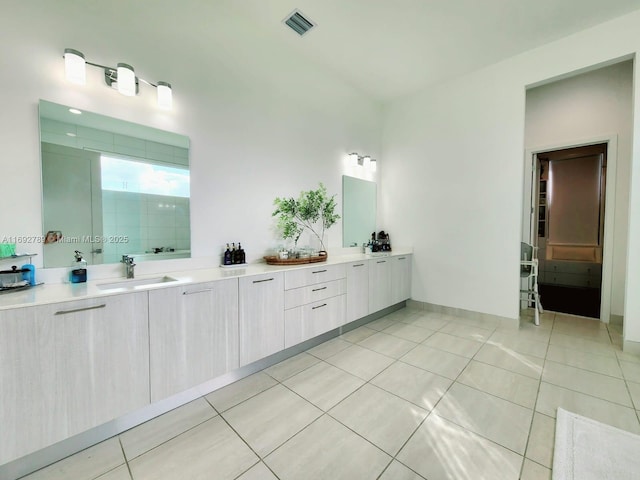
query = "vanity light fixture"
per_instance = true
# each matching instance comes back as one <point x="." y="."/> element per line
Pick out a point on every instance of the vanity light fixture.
<point x="126" y="80"/>
<point x="165" y="99"/>
<point x="74" y="66"/>
<point x="366" y="161"/>
<point x="122" y="78"/>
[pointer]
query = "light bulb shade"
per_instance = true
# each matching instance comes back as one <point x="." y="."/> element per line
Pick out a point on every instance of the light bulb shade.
<point x="165" y="97"/>
<point x="353" y="159"/>
<point x="75" y="66"/>
<point x="126" y="80"/>
<point x="373" y="165"/>
<point x="366" y="161"/>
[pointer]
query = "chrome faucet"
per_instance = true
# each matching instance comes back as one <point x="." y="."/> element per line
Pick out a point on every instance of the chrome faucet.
<point x="128" y="265"/>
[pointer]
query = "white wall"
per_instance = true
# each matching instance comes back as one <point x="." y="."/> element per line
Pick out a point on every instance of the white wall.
<point x="453" y="173"/>
<point x="591" y="105"/>
<point x="261" y="124"/>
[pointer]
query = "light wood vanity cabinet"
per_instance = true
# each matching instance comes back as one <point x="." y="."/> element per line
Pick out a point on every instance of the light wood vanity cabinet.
<point x="261" y="302"/>
<point x="379" y="283"/>
<point x="193" y="332"/>
<point x="389" y="281"/>
<point x="67" y="367"/>
<point x="357" y="290"/>
<point x="401" y="278"/>
<point x="315" y="302"/>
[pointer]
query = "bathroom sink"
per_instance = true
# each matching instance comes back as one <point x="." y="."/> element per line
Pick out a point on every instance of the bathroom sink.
<point x="136" y="283"/>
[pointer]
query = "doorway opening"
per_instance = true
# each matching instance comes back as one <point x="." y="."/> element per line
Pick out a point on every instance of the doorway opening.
<point x="569" y="205"/>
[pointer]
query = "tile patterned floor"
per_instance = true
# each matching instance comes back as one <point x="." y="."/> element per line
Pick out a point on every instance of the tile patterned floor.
<point x="414" y="395"/>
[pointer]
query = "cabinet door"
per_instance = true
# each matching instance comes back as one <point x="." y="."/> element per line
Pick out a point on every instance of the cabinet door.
<point x="261" y="299"/>
<point x="308" y="321"/>
<point x="193" y="335"/>
<point x="68" y="367"/>
<point x="357" y="290"/>
<point x="401" y="278"/>
<point x="379" y="284"/>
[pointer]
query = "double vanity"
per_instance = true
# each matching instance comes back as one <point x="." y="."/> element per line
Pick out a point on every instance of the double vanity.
<point x="76" y="357"/>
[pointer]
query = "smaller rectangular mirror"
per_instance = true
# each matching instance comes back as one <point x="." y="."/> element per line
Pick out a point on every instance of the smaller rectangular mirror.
<point x="358" y="210"/>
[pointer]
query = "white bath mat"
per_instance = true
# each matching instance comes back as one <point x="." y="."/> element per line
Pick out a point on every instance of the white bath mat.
<point x="589" y="450"/>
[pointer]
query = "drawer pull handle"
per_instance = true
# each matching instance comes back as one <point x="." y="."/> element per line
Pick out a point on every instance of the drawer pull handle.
<point x="402" y="258"/>
<point x="318" y="289"/>
<point x="95" y="307"/>
<point x="381" y="261"/>
<point x="265" y="280"/>
<point x="198" y="291"/>
<point x="358" y="265"/>
<point x="319" y="306"/>
<point x="319" y="271"/>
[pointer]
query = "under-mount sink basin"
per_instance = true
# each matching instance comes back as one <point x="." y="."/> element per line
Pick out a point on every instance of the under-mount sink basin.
<point x="136" y="283"/>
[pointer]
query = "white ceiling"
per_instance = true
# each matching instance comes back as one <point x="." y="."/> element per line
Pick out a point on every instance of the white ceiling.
<point x="389" y="48"/>
<point x="386" y="48"/>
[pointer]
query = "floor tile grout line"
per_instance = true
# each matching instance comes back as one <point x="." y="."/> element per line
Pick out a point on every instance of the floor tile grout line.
<point x="260" y="458"/>
<point x="165" y="441"/>
<point x="124" y="455"/>
<point x="241" y="474"/>
<point x="316" y="420"/>
<point x="535" y="404"/>
<point x="626" y="384"/>
<point x="508" y="369"/>
<point x="376" y="351"/>
<point x="319" y="408"/>
<point x="591" y="395"/>
<point x="384" y="469"/>
<point x="297" y="372"/>
<point x="586" y="369"/>
<point x="220" y="412"/>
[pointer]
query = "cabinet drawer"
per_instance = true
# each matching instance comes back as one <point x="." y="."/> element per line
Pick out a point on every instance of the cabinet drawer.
<point x="308" y="321"/>
<point x="313" y="293"/>
<point x="580" y="268"/>
<point x="572" y="280"/>
<point x="313" y="275"/>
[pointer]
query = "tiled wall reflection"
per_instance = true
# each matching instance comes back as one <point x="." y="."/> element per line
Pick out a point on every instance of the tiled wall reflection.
<point x="148" y="222"/>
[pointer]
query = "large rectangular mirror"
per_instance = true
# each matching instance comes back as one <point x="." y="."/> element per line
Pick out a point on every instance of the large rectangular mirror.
<point x="358" y="210"/>
<point x="110" y="188"/>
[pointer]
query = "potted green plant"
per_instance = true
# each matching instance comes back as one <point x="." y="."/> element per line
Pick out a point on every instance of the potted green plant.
<point x="313" y="210"/>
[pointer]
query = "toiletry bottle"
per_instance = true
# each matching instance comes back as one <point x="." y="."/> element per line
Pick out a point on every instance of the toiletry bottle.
<point x="234" y="254"/>
<point x="78" y="269"/>
<point x="241" y="255"/>
<point x="227" y="256"/>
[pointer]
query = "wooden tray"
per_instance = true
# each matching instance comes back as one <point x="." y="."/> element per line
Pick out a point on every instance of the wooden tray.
<point x="275" y="260"/>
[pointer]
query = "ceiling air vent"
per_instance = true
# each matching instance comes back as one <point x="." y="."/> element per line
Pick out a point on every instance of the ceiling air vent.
<point x="298" y="23"/>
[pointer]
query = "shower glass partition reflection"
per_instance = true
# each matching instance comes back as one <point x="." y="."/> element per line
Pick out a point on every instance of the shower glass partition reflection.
<point x="358" y="210"/>
<point x="111" y="188"/>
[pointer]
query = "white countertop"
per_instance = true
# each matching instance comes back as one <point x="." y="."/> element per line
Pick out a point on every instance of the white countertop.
<point x="63" y="292"/>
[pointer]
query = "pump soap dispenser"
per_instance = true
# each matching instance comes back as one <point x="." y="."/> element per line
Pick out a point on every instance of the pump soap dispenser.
<point x="78" y="269"/>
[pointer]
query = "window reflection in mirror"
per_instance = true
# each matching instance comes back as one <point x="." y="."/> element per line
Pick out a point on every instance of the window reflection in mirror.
<point x="112" y="188"/>
<point x="358" y="211"/>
